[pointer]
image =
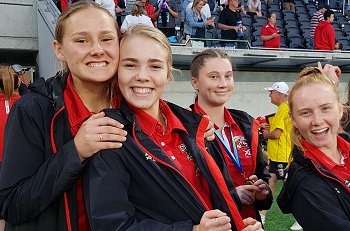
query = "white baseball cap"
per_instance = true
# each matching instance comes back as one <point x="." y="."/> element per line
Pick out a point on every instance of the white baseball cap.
<point x="280" y="87"/>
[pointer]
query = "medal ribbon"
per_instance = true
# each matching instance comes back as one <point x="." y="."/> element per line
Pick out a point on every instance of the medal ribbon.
<point x="226" y="144"/>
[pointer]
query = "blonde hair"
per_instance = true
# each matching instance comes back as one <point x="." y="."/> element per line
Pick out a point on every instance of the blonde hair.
<point x="9" y="81"/>
<point x="67" y="13"/>
<point x="195" y="3"/>
<point x="308" y="76"/>
<point x="138" y="8"/>
<point x="144" y="31"/>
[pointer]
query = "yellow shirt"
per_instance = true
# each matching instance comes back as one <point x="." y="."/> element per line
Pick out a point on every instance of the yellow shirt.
<point x="279" y="149"/>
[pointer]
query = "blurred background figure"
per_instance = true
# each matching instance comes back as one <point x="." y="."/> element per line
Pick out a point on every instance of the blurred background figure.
<point x="138" y="15"/>
<point x="9" y="82"/>
<point x="269" y="33"/>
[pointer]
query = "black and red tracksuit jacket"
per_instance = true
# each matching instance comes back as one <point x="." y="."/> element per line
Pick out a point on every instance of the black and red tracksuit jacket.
<point x="39" y="193"/>
<point x="137" y="187"/>
<point x="246" y="124"/>
<point x="316" y="197"/>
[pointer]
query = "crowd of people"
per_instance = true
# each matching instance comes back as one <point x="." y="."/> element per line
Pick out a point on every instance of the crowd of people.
<point x="96" y="148"/>
<point x="183" y="19"/>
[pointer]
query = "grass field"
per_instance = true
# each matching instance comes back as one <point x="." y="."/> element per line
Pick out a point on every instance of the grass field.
<point x="275" y="219"/>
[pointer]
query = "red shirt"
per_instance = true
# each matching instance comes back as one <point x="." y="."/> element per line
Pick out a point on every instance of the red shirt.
<point x="77" y="114"/>
<point x="5" y="107"/>
<point x="150" y="11"/>
<point x="341" y="170"/>
<point x="171" y="143"/>
<point x="267" y="30"/>
<point x="244" y="154"/>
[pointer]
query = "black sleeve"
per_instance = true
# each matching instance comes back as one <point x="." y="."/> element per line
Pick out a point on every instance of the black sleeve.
<point x="222" y="17"/>
<point x="32" y="177"/>
<point x="106" y="184"/>
<point x="316" y="206"/>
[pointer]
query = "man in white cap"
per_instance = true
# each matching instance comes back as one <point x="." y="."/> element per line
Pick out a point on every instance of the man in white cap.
<point x="277" y="132"/>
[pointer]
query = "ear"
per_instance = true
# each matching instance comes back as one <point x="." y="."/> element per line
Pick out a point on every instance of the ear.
<point x="58" y="50"/>
<point x="292" y="119"/>
<point x="194" y="82"/>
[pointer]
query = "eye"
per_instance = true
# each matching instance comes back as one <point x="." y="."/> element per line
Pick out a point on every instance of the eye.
<point x="229" y="76"/>
<point x="129" y="65"/>
<point x="213" y="76"/>
<point x="81" y="41"/>
<point x="106" y="39"/>
<point x="156" y="66"/>
<point x="304" y="113"/>
<point x="326" y="108"/>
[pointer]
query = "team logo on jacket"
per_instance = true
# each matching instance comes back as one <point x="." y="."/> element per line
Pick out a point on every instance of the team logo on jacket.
<point x="347" y="183"/>
<point x="148" y="157"/>
<point x="183" y="150"/>
<point x="242" y="145"/>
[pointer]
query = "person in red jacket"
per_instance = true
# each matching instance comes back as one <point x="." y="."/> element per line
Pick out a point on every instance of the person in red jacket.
<point x="151" y="12"/>
<point x="270" y="34"/>
<point x="324" y="32"/>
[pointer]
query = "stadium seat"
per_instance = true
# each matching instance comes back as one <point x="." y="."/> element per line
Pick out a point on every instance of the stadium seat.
<point x="274" y="7"/>
<point x="303" y="17"/>
<point x="257" y="43"/>
<point x="344" y="41"/>
<point x="291" y="23"/>
<point x="296" y="41"/>
<point x="293" y="31"/>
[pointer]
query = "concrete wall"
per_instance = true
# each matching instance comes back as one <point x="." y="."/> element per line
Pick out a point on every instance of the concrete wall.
<point x="18" y="25"/>
<point x="249" y="94"/>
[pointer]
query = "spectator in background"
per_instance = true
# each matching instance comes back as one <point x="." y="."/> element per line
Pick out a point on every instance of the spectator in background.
<point x="150" y="9"/>
<point x="254" y="8"/>
<point x="324" y="32"/>
<point x="205" y="9"/>
<point x="9" y="83"/>
<point x="338" y="46"/>
<point x="317" y="190"/>
<point x="196" y="21"/>
<point x="288" y="5"/>
<point x="230" y="22"/>
<point x="108" y="5"/>
<point x="119" y="8"/>
<point x="277" y="132"/>
<point x="23" y="82"/>
<point x="269" y="33"/>
<point x="166" y="18"/>
<point x="137" y="16"/>
<point x="316" y="18"/>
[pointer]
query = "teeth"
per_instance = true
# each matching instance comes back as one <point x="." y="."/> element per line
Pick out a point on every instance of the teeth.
<point x="142" y="90"/>
<point x="97" y="64"/>
<point x="319" y="131"/>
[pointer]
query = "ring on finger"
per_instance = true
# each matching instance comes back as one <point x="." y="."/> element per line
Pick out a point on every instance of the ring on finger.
<point x="101" y="137"/>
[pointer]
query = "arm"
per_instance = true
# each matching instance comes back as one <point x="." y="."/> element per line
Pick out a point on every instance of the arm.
<point x="37" y="177"/>
<point x="172" y="11"/>
<point x="273" y="135"/>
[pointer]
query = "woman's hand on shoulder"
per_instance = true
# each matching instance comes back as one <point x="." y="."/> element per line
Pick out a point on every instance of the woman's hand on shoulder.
<point x="97" y="133"/>
<point x="213" y="220"/>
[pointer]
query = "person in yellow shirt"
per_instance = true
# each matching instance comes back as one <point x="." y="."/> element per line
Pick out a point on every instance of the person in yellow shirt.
<point x="277" y="132"/>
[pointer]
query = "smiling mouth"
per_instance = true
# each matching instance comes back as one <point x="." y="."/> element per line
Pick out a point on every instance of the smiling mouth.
<point x="142" y="90"/>
<point x="97" y="64"/>
<point x="319" y="131"/>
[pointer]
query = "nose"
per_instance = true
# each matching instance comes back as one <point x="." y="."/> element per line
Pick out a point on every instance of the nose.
<point x="222" y="82"/>
<point x="96" y="48"/>
<point x="143" y="74"/>
<point x="317" y="118"/>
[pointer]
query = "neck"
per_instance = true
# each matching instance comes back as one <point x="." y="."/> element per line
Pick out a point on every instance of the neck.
<point x="94" y="97"/>
<point x="333" y="153"/>
<point x="216" y="113"/>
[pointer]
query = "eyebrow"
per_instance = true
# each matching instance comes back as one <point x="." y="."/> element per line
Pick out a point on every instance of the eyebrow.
<point x="149" y="61"/>
<point x="86" y="33"/>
